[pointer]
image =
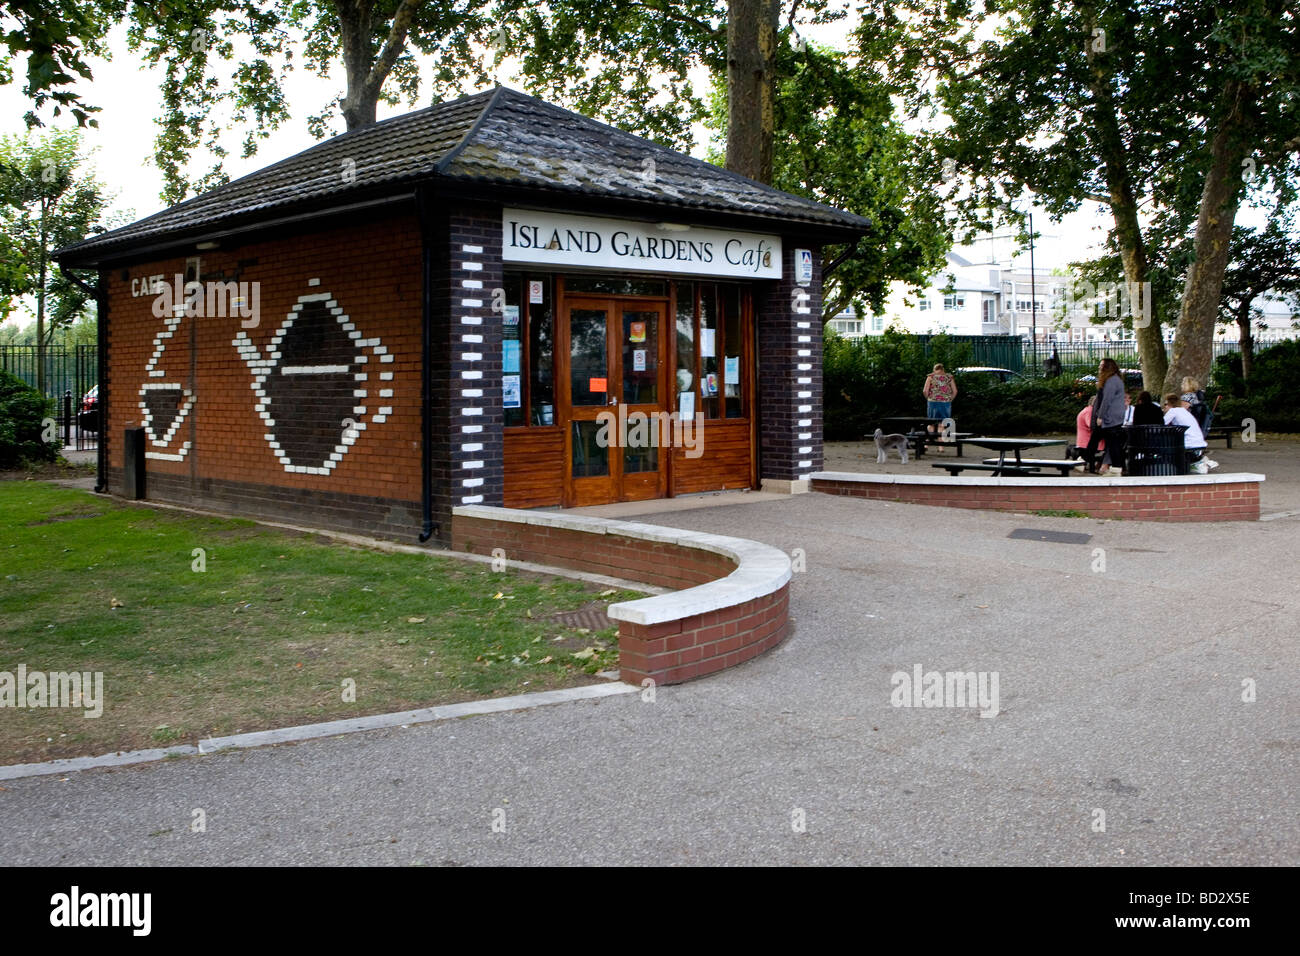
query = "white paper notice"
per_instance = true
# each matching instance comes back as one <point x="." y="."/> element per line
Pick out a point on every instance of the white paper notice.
<point x="731" y="370"/>
<point x="707" y="342"/>
<point x="686" y="404"/>
<point x="638" y="360"/>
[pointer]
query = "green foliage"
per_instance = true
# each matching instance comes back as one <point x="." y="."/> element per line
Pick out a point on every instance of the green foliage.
<point x="54" y="35"/>
<point x="23" y="411"/>
<point x="881" y="376"/>
<point x="1269" y="397"/>
<point x="46" y="201"/>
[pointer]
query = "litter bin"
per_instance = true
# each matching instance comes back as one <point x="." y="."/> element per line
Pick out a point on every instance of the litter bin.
<point x="1155" y="450"/>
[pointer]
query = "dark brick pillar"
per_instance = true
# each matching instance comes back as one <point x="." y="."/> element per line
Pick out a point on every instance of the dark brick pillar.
<point x="790" y="374"/>
<point x="466" y="454"/>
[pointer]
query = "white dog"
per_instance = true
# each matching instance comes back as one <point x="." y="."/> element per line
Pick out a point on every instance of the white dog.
<point x="885" y="442"/>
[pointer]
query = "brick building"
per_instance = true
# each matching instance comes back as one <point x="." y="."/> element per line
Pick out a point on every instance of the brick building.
<point x="490" y="301"/>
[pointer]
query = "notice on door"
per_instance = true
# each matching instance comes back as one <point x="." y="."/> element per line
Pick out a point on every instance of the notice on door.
<point x="636" y="332"/>
<point x="638" y="360"/>
<point x="597" y="385"/>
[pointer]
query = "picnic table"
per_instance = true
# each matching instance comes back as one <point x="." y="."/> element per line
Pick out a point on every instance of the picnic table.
<point x="1001" y="466"/>
<point x="1221" y="431"/>
<point x="915" y="430"/>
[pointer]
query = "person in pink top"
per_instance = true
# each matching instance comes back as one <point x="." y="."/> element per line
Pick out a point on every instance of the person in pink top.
<point x="1083" y="435"/>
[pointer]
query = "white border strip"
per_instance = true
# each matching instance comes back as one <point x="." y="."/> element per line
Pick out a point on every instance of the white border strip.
<point x="760" y="569"/>
<point x="1229" y="478"/>
<point x="332" y="728"/>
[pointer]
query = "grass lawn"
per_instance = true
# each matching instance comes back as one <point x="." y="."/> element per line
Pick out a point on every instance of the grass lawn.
<point x="268" y="632"/>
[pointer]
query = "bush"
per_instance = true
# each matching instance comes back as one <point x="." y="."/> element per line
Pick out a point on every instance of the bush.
<point x="877" y="377"/>
<point x="881" y="376"/>
<point x="1270" y="397"/>
<point x="23" y="411"/>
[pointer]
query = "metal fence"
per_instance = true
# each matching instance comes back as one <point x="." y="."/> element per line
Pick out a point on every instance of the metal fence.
<point x="1081" y="358"/>
<point x="70" y="372"/>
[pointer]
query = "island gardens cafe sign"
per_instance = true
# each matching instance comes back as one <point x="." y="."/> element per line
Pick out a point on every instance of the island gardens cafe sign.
<point x="544" y="238"/>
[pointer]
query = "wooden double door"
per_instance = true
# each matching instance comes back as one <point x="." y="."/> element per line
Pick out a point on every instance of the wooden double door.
<point x="612" y="366"/>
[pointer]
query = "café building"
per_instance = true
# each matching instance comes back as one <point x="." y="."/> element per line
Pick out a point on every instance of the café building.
<point x="490" y="301"/>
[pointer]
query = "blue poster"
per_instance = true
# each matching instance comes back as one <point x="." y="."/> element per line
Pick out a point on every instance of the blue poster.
<point x="510" y="355"/>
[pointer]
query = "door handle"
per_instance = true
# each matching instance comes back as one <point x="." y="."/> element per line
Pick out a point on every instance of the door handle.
<point x="613" y="401"/>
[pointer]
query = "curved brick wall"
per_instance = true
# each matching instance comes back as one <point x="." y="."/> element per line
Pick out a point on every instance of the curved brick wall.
<point x="1229" y="497"/>
<point x="734" y="597"/>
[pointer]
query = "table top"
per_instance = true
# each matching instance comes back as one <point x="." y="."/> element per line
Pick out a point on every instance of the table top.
<point x="1014" y="444"/>
<point x="911" y="420"/>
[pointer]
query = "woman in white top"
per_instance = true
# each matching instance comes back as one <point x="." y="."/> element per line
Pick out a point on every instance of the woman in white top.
<point x="1176" y="413"/>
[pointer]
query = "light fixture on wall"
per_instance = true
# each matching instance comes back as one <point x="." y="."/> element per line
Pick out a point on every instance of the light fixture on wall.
<point x="672" y="227"/>
<point x="205" y="246"/>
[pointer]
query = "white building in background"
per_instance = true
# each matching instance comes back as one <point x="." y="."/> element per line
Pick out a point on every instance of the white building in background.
<point x="987" y="298"/>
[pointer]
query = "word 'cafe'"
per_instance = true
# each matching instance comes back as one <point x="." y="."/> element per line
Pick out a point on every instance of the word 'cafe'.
<point x="489" y="311"/>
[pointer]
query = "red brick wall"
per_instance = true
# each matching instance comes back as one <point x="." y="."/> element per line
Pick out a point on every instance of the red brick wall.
<point x="372" y="271"/>
<point x="1230" y="501"/>
<point x="669" y="652"/>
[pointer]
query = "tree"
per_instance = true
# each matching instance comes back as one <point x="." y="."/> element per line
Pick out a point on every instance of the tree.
<point x="46" y="201"/>
<point x="54" y="35"/>
<point x="1129" y="103"/>
<point x="751" y="86"/>
<point x="1262" y="261"/>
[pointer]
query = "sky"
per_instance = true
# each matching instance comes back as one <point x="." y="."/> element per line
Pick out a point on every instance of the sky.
<point x="127" y="89"/>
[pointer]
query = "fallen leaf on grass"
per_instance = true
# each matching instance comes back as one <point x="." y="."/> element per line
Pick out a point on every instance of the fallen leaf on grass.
<point x="585" y="653"/>
<point x="416" y="620"/>
<point x="114" y="603"/>
<point x="607" y="592"/>
<point x="546" y="660"/>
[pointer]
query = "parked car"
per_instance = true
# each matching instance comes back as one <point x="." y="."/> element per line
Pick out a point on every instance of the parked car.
<point x="1002" y="375"/>
<point x="1132" y="378"/>
<point x="88" y="416"/>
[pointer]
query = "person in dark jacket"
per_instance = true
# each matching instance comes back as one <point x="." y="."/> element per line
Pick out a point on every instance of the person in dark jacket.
<point x="1108" y="416"/>
<point x="1147" y="412"/>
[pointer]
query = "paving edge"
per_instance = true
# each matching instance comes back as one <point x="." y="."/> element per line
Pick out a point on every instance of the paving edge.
<point x="332" y="728"/>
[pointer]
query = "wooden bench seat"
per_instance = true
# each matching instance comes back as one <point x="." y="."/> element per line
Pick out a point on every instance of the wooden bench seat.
<point x="1222" y="431"/>
<point x="956" y="468"/>
<point x="1065" y="467"/>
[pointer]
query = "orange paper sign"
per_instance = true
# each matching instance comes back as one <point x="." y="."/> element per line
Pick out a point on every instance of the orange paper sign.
<point x="598" y="385"/>
<point x="636" y="332"/>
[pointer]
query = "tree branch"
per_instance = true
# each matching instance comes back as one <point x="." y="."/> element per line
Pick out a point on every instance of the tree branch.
<point x="393" y="45"/>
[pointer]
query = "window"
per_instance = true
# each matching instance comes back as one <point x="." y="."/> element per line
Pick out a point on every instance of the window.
<point x="990" y="312"/>
<point x="528" y="342"/>
<point x="924" y="304"/>
<point x="954" y="302"/>
<point x="710" y="332"/>
<point x="877" y="323"/>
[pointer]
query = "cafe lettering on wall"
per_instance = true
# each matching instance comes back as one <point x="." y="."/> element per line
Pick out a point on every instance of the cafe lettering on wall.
<point x="543" y="238"/>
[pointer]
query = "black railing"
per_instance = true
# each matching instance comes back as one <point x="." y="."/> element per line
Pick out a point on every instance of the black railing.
<point x="70" y="373"/>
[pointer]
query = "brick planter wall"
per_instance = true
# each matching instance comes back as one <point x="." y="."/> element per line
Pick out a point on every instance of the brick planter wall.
<point x="736" y="599"/>
<point x="1230" y="497"/>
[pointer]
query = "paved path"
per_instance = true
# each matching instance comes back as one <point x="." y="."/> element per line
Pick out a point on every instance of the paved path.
<point x="1121" y="691"/>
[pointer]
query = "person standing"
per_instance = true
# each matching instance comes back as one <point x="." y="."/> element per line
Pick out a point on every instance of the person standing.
<point x="1108" y="415"/>
<point x="939" y="391"/>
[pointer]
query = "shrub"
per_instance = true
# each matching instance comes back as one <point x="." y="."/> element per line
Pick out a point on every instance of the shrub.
<point x="881" y="376"/>
<point x="1270" y="396"/>
<point x="23" y="411"/>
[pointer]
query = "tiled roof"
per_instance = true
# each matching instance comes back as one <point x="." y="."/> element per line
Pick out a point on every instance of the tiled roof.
<point x="501" y="137"/>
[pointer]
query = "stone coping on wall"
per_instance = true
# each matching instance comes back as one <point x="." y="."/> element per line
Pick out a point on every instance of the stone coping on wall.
<point x="1092" y="481"/>
<point x="1233" y="496"/>
<point x="760" y="571"/>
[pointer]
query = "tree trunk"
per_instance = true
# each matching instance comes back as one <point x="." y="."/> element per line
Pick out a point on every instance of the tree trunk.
<point x="366" y="72"/>
<point x="751" y="86"/>
<point x="1220" y="196"/>
<point x="1124" y="211"/>
<point x="40" y="304"/>
<point x="1247" y="340"/>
